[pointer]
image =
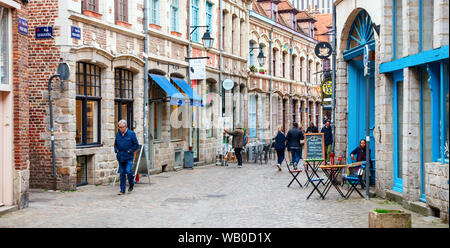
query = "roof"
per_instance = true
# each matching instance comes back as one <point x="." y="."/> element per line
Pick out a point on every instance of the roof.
<point x="323" y="24"/>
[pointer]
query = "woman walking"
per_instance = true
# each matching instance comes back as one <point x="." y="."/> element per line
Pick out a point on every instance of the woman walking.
<point x="280" y="146"/>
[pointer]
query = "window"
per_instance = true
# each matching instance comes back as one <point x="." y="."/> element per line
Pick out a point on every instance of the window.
<point x="275" y="113"/>
<point x="283" y="66"/>
<point x="309" y="72"/>
<point x="4" y="47"/>
<point x="426" y="15"/>
<point x="157" y="112"/>
<point x="252" y="116"/>
<point x="301" y="112"/>
<point x="195" y="19"/>
<point x="209" y="110"/>
<point x="176" y="122"/>
<point x="123" y="102"/>
<point x="274" y="61"/>
<point x="398" y="29"/>
<point x="252" y="45"/>
<point x="91" y="5"/>
<point x="292" y="67"/>
<point x="88" y="88"/>
<point x="302" y="67"/>
<point x="174" y="15"/>
<point x="121" y="10"/>
<point x="154" y="12"/>
<point x="317" y="114"/>
<point x="209" y="19"/>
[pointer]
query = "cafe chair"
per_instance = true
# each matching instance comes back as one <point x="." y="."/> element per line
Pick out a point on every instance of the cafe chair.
<point x="315" y="183"/>
<point x="355" y="179"/>
<point x="296" y="171"/>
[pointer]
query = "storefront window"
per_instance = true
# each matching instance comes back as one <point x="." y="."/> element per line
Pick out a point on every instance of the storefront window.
<point x="426" y="118"/>
<point x="123" y="96"/>
<point x="4" y="51"/>
<point x="444" y="125"/>
<point x="176" y="122"/>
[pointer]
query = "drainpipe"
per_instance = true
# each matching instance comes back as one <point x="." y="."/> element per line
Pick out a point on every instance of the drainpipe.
<point x="221" y="93"/>
<point x="188" y="106"/>
<point x="292" y="83"/>
<point x="333" y="79"/>
<point x="270" y="85"/>
<point x="147" y="138"/>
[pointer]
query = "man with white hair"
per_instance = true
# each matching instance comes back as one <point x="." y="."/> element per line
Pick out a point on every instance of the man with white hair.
<point x="124" y="146"/>
<point x="238" y="142"/>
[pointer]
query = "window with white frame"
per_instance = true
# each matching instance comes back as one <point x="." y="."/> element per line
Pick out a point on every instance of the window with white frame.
<point x="4" y="46"/>
<point x="252" y="116"/>
<point x="195" y="19"/>
<point x="209" y="17"/>
<point x="154" y="12"/>
<point x="398" y="29"/>
<point x="174" y="15"/>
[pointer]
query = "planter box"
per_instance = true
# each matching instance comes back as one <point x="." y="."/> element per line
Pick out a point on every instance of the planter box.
<point x="389" y="219"/>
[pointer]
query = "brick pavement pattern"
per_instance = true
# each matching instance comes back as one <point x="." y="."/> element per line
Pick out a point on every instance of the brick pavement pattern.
<point x="207" y="196"/>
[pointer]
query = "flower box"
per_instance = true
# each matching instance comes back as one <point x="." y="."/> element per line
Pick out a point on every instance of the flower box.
<point x="383" y="218"/>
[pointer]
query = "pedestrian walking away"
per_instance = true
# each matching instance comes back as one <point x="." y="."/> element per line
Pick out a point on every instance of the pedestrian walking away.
<point x="294" y="139"/>
<point x="280" y="146"/>
<point x="328" y="135"/>
<point x="238" y="142"/>
<point x="312" y="128"/>
<point x="125" y="145"/>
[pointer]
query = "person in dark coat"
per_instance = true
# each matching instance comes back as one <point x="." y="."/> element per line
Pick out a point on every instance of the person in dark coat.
<point x="237" y="143"/>
<point x="328" y="135"/>
<point x="294" y="137"/>
<point x="125" y="145"/>
<point x="312" y="128"/>
<point x="280" y="146"/>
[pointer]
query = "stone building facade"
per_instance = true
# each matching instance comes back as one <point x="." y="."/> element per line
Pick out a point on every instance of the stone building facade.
<point x="286" y="88"/>
<point x="409" y="96"/>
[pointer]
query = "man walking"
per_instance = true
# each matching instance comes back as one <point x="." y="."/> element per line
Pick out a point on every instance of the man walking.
<point x="328" y="135"/>
<point x="293" y="137"/>
<point x="124" y="146"/>
<point x="312" y="128"/>
<point x="238" y="142"/>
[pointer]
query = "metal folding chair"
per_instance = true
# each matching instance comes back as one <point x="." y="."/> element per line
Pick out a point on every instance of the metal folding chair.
<point x="315" y="182"/>
<point x="356" y="179"/>
<point x="296" y="171"/>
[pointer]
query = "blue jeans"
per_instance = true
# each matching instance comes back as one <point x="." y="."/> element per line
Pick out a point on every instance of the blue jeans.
<point x="125" y="170"/>
<point x="296" y="155"/>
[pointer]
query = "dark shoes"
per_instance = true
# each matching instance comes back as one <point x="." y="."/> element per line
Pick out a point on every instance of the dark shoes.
<point x="130" y="188"/>
<point x="121" y="193"/>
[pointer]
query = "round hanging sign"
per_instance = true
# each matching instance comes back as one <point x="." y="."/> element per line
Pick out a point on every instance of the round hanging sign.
<point x="228" y="84"/>
<point x="323" y="50"/>
<point x="63" y="71"/>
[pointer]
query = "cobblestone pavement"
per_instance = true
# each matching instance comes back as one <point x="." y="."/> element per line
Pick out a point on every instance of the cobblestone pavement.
<point x="207" y="196"/>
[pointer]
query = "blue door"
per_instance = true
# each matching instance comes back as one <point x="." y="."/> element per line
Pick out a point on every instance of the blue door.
<point x="398" y="130"/>
<point x="357" y="107"/>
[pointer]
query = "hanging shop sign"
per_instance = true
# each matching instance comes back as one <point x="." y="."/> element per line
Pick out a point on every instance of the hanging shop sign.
<point x="197" y="69"/>
<point x="327" y="89"/>
<point x="44" y="33"/>
<point x="22" y="26"/>
<point x="75" y="32"/>
<point x="323" y="50"/>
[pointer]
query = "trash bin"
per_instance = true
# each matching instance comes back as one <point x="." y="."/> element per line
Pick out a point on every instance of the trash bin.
<point x="189" y="159"/>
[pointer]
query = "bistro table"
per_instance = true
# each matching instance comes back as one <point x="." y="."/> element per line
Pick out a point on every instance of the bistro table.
<point x="332" y="171"/>
<point x="314" y="164"/>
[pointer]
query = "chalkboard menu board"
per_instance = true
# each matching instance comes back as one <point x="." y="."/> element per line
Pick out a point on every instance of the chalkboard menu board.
<point x="314" y="146"/>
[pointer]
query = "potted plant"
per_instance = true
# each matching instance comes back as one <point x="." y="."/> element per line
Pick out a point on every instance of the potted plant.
<point x="252" y="68"/>
<point x="385" y="218"/>
<point x="261" y="71"/>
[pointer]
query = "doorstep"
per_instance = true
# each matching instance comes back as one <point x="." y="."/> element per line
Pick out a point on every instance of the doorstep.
<point x="8" y="209"/>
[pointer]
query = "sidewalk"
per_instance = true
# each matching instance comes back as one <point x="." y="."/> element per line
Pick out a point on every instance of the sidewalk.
<point x="207" y="196"/>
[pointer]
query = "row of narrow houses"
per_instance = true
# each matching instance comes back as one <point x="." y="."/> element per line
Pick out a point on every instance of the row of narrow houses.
<point x="135" y="60"/>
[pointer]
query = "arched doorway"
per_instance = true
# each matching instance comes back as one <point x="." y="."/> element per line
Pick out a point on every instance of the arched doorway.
<point x="361" y="34"/>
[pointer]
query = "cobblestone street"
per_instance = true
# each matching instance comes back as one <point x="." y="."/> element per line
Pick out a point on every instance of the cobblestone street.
<point x="208" y="196"/>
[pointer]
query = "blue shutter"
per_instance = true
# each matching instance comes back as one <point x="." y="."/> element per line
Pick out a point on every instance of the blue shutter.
<point x="195" y="21"/>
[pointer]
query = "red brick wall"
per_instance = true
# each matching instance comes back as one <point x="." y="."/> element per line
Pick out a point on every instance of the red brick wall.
<point x="43" y="60"/>
<point x="20" y="91"/>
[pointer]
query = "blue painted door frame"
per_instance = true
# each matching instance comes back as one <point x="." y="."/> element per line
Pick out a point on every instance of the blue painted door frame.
<point x="397" y="80"/>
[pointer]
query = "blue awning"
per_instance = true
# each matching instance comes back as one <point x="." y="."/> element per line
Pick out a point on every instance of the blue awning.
<point x="195" y="99"/>
<point x="176" y="98"/>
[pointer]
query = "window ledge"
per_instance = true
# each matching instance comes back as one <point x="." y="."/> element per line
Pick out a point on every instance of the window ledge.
<point x="175" y="33"/>
<point x="89" y="146"/>
<point x="155" y="26"/>
<point x="176" y="140"/>
<point x="123" y="24"/>
<point x="92" y="14"/>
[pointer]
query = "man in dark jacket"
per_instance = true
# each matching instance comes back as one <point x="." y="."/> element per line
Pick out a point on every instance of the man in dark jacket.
<point x="294" y="137"/>
<point x="124" y="146"/>
<point x="328" y="135"/>
<point x="312" y="128"/>
<point x="238" y="142"/>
